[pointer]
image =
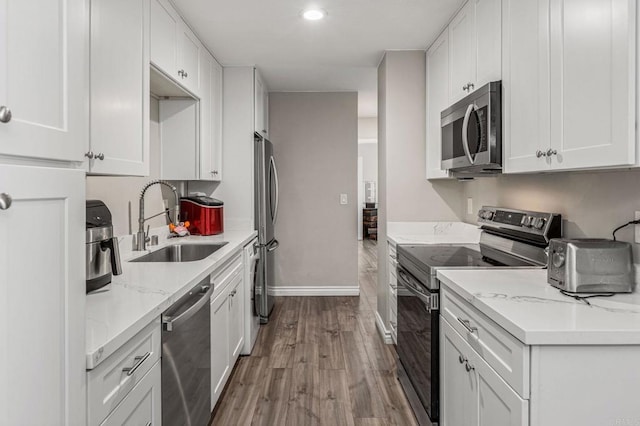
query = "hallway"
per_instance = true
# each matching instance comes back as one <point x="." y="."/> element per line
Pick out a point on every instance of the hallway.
<point x="319" y="361"/>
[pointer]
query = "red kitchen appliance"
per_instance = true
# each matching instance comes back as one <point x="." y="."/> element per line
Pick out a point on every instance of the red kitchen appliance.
<point x="205" y="214"/>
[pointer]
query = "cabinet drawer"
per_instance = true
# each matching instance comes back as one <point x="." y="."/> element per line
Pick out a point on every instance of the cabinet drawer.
<point x="143" y="405"/>
<point x="224" y="274"/>
<point x="503" y="352"/>
<point x="117" y="375"/>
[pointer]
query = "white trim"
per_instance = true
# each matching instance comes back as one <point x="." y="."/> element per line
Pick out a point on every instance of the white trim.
<point x="384" y="333"/>
<point x="314" y="291"/>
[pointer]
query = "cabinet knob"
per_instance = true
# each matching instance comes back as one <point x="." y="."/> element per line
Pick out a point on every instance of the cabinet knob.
<point x="551" y="152"/>
<point x="5" y="201"/>
<point x="100" y="156"/>
<point x="233" y="293"/>
<point x="469" y="367"/>
<point x="470" y="86"/>
<point x="5" y="114"/>
<point x="181" y="73"/>
<point x="215" y="172"/>
<point x="540" y="154"/>
<point x="465" y="87"/>
<point x="461" y="359"/>
<point x="89" y="155"/>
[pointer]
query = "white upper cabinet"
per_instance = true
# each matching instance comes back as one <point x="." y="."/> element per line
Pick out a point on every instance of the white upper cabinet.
<point x="564" y="109"/>
<point x="462" y="53"/>
<point x="488" y="39"/>
<point x="174" y="47"/>
<point x="119" y="142"/>
<point x="525" y="84"/>
<point x="210" y="118"/>
<point x="44" y="79"/>
<point x="437" y="100"/>
<point x="261" y="99"/>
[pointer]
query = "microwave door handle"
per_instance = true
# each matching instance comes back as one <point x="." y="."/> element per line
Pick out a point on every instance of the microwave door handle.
<point x="465" y="138"/>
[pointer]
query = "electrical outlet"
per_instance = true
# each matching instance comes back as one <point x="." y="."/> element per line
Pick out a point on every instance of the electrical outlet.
<point x="343" y="199"/>
<point x="637" y="228"/>
<point x="469" y="205"/>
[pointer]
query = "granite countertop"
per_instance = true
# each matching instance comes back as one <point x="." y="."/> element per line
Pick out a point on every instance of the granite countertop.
<point x="145" y="290"/>
<point x="536" y="313"/>
<point x="432" y="233"/>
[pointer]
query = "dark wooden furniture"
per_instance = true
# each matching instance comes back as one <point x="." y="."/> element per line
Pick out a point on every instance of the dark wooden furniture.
<point x="370" y="223"/>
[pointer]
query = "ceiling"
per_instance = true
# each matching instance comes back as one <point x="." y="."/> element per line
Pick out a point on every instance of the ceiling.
<point x="338" y="53"/>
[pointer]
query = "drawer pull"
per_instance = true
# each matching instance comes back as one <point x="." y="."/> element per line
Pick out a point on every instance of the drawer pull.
<point x="139" y="361"/>
<point x="148" y="424"/>
<point x="469" y="367"/>
<point x="467" y="325"/>
<point x="462" y="359"/>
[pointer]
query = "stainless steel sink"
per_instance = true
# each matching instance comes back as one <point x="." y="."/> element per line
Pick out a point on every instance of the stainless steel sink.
<point x="181" y="253"/>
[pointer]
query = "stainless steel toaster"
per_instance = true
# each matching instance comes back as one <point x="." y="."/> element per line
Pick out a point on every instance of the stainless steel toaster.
<point x="590" y="265"/>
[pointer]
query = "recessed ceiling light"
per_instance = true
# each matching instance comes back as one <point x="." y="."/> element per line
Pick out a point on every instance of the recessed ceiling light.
<point x="314" y="14"/>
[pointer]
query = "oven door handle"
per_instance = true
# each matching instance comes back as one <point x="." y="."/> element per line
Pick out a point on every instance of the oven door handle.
<point x="465" y="127"/>
<point x="413" y="289"/>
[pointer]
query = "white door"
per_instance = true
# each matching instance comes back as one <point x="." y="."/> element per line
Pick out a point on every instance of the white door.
<point x="119" y="87"/>
<point x="459" y="386"/>
<point x="593" y="63"/>
<point x="462" y="52"/>
<point x="525" y="83"/>
<point x="42" y="296"/>
<point x="236" y="317"/>
<point x="220" y="364"/>
<point x="44" y="77"/>
<point x="259" y="105"/>
<point x="437" y="101"/>
<point x="488" y="41"/>
<point x="164" y="31"/>
<point x="188" y="58"/>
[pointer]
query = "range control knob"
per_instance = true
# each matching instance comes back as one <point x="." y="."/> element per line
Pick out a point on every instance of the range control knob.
<point x="488" y="214"/>
<point x="526" y="221"/>
<point x="481" y="214"/>
<point x="538" y="223"/>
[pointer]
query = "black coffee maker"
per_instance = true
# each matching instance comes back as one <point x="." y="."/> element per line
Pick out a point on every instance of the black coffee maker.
<point x="102" y="252"/>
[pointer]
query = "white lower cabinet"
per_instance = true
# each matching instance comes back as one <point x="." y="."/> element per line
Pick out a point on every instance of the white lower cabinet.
<point x="393" y="291"/>
<point x="143" y="405"/>
<point x="473" y="393"/>
<point x="220" y="368"/>
<point x="236" y="316"/>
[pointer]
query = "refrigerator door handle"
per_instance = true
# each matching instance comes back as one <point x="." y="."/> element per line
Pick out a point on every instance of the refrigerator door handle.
<point x="273" y="245"/>
<point x="274" y="170"/>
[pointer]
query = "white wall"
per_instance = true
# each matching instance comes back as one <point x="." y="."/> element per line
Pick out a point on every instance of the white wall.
<point x="592" y="204"/>
<point x="117" y="192"/>
<point x="315" y="146"/>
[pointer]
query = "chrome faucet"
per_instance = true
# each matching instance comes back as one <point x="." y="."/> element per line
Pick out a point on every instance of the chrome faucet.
<point x="142" y="238"/>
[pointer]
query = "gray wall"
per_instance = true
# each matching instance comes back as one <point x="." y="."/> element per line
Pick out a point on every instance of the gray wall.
<point x="116" y="192"/>
<point x="315" y="146"/>
<point x="592" y="204"/>
<point x="369" y="154"/>
<point x="404" y="193"/>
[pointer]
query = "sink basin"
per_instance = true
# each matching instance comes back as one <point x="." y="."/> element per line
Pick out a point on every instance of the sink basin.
<point x="181" y="253"/>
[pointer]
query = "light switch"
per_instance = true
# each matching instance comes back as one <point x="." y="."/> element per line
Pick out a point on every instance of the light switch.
<point x="469" y="205"/>
<point x="343" y="199"/>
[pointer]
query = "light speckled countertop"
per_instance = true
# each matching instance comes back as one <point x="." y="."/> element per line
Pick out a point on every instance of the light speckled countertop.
<point x="145" y="290"/>
<point x="536" y="313"/>
<point x="432" y="233"/>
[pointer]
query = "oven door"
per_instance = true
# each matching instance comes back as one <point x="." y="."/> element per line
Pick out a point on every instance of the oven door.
<point x="418" y="339"/>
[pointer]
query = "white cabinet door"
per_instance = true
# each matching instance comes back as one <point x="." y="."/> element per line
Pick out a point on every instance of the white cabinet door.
<point x="525" y="82"/>
<point x="259" y="104"/>
<point x="210" y="118"/>
<point x="437" y="100"/>
<point x="220" y="362"/>
<point x="236" y="317"/>
<point x="179" y="139"/>
<point x="488" y="41"/>
<point x="44" y="78"/>
<point x="119" y="87"/>
<point x="459" y="386"/>
<point x="462" y="52"/>
<point x="188" y="58"/>
<point x="164" y="28"/>
<point x="593" y="65"/>
<point x="42" y="302"/>
<point x="143" y="405"/>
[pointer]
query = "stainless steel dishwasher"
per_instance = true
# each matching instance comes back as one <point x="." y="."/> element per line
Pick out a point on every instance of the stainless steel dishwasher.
<point x="186" y="359"/>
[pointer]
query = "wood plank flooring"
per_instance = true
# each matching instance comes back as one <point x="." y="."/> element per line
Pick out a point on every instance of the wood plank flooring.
<point x="319" y="361"/>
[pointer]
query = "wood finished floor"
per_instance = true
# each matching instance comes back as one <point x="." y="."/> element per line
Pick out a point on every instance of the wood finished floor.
<point x="319" y="361"/>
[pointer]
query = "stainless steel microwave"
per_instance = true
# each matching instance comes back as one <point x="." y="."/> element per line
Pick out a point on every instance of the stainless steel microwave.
<point x="472" y="133"/>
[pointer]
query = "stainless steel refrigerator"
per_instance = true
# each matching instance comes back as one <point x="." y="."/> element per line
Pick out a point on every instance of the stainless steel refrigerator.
<point x="266" y="202"/>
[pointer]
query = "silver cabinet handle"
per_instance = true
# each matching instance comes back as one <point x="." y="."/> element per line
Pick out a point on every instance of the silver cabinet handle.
<point x="465" y="87"/>
<point x="100" y="156"/>
<point x="233" y="293"/>
<point x="470" y="86"/>
<point x="181" y="73"/>
<point x="139" y="361"/>
<point x="215" y="172"/>
<point x="89" y="155"/>
<point x="461" y="359"/>
<point x="469" y="367"/>
<point x="540" y="154"/>
<point x="467" y="324"/>
<point x="551" y="152"/>
<point x="5" y="201"/>
<point x="5" y="114"/>
<point x="148" y="424"/>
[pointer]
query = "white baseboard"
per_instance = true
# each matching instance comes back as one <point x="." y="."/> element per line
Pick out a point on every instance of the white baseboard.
<point x="384" y="333"/>
<point x="314" y="291"/>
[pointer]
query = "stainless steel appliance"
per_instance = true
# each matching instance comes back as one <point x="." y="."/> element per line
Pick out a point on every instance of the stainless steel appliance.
<point x="186" y="358"/>
<point x="510" y="239"/>
<point x="591" y="266"/>
<point x="102" y="251"/>
<point x="252" y="280"/>
<point x="472" y="133"/>
<point x="266" y="204"/>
